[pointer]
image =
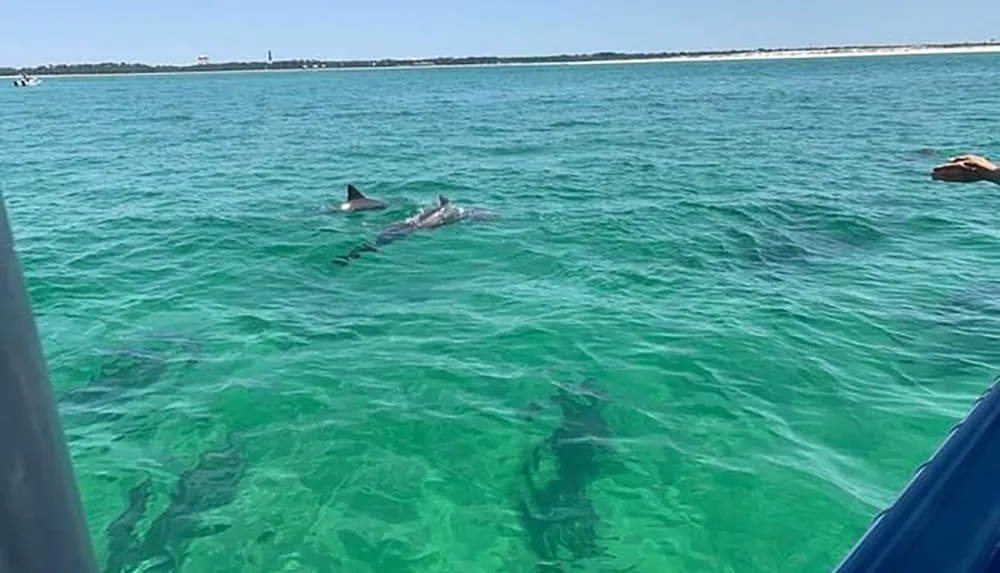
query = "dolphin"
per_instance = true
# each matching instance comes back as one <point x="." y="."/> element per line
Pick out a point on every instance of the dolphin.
<point x="356" y="201"/>
<point x="559" y="514"/>
<point x="123" y="373"/>
<point x="212" y="484"/>
<point x="444" y="213"/>
<point x="123" y="543"/>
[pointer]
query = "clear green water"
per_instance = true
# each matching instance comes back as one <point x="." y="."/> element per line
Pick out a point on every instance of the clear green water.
<point x="749" y="258"/>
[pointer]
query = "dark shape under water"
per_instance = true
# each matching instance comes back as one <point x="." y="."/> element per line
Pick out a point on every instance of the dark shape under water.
<point x="385" y="556"/>
<point x="444" y="213"/>
<point x="125" y="371"/>
<point x="978" y="302"/>
<point x="266" y="537"/>
<point x="560" y="514"/>
<point x="212" y="484"/>
<point x="119" y="372"/>
<point x="123" y="544"/>
<point x="927" y="152"/>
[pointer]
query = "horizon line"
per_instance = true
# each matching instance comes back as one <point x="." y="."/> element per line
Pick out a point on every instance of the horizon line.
<point x="512" y="57"/>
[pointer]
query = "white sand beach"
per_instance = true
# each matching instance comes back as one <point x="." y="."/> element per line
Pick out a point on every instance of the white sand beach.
<point x="821" y="53"/>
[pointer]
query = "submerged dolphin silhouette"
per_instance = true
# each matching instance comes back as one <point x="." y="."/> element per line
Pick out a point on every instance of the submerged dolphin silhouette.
<point x="558" y="516"/>
<point x="123" y="543"/>
<point x="357" y="201"/>
<point x="444" y="213"/>
<point x="213" y="483"/>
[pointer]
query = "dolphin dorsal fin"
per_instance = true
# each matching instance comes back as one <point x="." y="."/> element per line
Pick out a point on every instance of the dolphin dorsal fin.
<point x="353" y="194"/>
<point x="442" y="200"/>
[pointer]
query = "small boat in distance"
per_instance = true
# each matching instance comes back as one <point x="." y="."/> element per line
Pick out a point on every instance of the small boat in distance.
<point x="26" y="81"/>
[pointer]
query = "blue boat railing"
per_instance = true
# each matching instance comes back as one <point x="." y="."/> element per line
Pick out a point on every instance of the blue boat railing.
<point x="947" y="518"/>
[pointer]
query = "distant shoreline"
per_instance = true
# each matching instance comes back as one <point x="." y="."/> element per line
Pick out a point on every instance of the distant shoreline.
<point x="122" y="69"/>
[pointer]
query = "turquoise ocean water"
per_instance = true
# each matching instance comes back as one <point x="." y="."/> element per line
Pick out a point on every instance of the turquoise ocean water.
<point x="784" y="314"/>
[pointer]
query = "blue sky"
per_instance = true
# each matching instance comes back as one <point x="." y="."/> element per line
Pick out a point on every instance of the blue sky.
<point x="54" y="31"/>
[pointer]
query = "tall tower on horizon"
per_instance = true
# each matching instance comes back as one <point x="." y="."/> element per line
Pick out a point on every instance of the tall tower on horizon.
<point x="269" y="56"/>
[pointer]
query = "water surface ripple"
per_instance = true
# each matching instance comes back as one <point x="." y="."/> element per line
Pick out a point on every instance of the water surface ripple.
<point x="747" y="258"/>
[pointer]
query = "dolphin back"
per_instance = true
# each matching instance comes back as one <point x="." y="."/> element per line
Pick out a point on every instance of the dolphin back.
<point x="427" y="218"/>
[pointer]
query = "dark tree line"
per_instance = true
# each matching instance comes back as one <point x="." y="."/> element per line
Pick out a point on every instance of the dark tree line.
<point x="131" y="68"/>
